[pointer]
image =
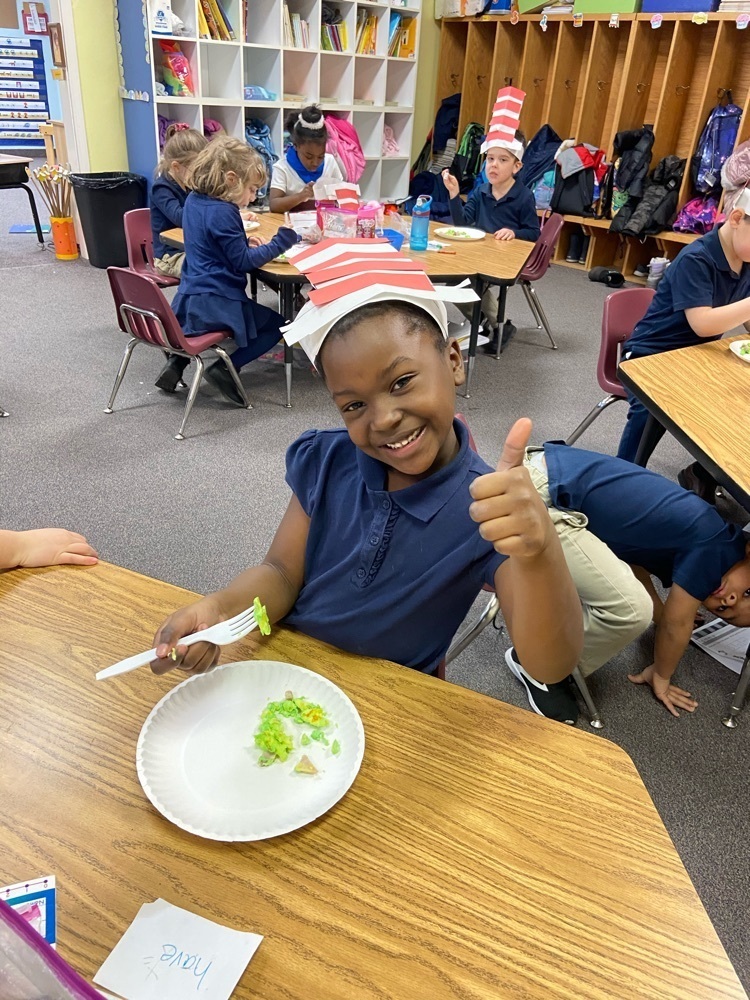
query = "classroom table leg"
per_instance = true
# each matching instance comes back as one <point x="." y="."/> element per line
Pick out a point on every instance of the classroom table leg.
<point x="738" y="699"/>
<point x="286" y="302"/>
<point x="475" y="315"/>
<point x="653" y="432"/>
<point x="503" y="295"/>
<point x="35" y="214"/>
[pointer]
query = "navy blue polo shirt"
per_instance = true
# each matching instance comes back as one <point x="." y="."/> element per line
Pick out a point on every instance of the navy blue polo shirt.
<point x="516" y="211"/>
<point x="167" y="201"/>
<point x="699" y="276"/>
<point x="645" y="519"/>
<point x="387" y="574"/>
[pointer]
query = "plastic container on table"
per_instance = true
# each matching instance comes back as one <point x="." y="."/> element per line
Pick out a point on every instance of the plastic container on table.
<point x="102" y="200"/>
<point x="420" y="223"/>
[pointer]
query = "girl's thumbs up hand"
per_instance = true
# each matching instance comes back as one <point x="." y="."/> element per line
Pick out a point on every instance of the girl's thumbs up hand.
<point x="507" y="508"/>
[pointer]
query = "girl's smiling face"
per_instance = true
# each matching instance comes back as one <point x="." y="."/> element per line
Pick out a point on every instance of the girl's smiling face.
<point x="396" y="390"/>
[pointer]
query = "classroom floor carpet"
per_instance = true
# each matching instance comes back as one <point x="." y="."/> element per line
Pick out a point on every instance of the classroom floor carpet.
<point x="197" y="512"/>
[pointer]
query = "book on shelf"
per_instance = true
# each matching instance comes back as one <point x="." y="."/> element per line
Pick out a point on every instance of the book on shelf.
<point x="227" y="23"/>
<point x="367" y="33"/>
<point x="203" y="31"/>
<point x="363" y="100"/>
<point x="407" y="39"/>
<point x="219" y="21"/>
<point x="212" y="26"/>
<point x="295" y="98"/>
<point x="393" y="33"/>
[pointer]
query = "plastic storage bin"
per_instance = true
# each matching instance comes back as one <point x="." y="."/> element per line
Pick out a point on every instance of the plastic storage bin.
<point x="102" y="200"/>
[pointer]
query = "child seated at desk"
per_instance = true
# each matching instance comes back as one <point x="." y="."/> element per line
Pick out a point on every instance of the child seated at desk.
<point x="169" y="192"/>
<point x="502" y="206"/>
<point x="304" y="163"/>
<point x="381" y="550"/>
<point x="212" y="296"/>
<point x="705" y="292"/>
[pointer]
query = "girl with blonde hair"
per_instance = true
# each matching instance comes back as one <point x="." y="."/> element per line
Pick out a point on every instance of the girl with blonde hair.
<point x="224" y="178"/>
<point x="169" y="192"/>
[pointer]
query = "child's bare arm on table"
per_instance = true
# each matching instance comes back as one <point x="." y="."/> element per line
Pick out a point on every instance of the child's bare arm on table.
<point x="282" y="201"/>
<point x="276" y="581"/>
<point x="708" y="321"/>
<point x="44" y="547"/>
<point x="541" y="607"/>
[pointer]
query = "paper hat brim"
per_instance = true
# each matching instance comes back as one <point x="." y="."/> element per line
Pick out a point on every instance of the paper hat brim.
<point x="514" y="146"/>
<point x="743" y="201"/>
<point x="313" y="323"/>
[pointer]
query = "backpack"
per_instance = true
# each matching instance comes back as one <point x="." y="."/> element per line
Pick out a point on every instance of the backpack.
<point x="658" y="206"/>
<point x="573" y="195"/>
<point x="544" y="189"/>
<point x="698" y="216"/>
<point x="714" y="146"/>
<point x="258" y="135"/>
<point x="539" y="156"/>
<point x="468" y="159"/>
<point x="343" y="143"/>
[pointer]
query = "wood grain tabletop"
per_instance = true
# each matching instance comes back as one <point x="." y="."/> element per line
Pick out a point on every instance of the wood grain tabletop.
<point x="482" y="853"/>
<point x="704" y="393"/>
<point x="499" y="260"/>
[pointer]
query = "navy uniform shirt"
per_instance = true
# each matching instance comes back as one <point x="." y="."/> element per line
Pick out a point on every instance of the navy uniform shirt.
<point x="391" y="575"/>
<point x="167" y="201"/>
<point x="516" y="211"/>
<point x="699" y="276"/>
<point x="645" y="519"/>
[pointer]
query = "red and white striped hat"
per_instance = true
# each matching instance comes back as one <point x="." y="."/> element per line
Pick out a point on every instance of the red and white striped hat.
<point x="506" y="115"/>
<point x="348" y="273"/>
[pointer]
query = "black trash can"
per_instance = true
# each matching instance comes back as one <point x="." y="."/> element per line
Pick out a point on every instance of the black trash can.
<point x="102" y="200"/>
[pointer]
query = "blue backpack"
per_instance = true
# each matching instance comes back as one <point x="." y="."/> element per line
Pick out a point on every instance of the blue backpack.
<point x="258" y="135"/>
<point x="715" y="145"/>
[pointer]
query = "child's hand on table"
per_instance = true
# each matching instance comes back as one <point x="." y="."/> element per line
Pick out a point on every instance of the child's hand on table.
<point x="195" y="659"/>
<point x="508" y="509"/>
<point x="504" y="234"/>
<point x="52" y="547"/>
<point x="256" y="241"/>
<point x="248" y="216"/>
<point x="451" y="184"/>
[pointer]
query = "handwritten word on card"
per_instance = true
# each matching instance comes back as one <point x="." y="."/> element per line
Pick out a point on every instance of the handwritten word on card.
<point x="168" y="953"/>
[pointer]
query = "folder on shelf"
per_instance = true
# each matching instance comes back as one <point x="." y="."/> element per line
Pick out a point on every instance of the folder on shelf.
<point x="408" y="42"/>
<point x="203" y="31"/>
<point x="227" y="22"/>
<point x="393" y="33"/>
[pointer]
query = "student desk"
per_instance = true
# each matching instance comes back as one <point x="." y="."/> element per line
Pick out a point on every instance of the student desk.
<point x="483" y="853"/>
<point x="487" y="260"/>
<point x="13" y="175"/>
<point x="701" y="395"/>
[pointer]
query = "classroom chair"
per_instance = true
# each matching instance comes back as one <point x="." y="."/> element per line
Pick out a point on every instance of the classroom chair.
<point x="140" y="244"/>
<point x="491" y="610"/>
<point x="534" y="270"/>
<point x="623" y="310"/>
<point x="144" y="313"/>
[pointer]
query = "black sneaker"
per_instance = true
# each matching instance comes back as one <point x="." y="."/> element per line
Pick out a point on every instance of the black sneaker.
<point x="695" y="479"/>
<point x="218" y="375"/>
<point x="171" y="373"/>
<point x="554" y="701"/>
<point x="509" y="332"/>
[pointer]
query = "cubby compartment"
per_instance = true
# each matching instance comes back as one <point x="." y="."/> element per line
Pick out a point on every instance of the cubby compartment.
<point x="536" y="74"/>
<point x="263" y="23"/>
<point x="394" y="179"/>
<point x="309" y="12"/>
<point x="187" y="11"/>
<point x="401" y="125"/>
<point x="336" y="79"/>
<point x="369" y="126"/>
<point x="300" y="76"/>
<point x="262" y="68"/>
<point x="369" y="182"/>
<point x="187" y="111"/>
<point x="450" y="75"/>
<point x="190" y="51"/>
<point x="477" y="69"/>
<point x="400" y="85"/>
<point x="230" y="117"/>
<point x="273" y="118"/>
<point x="644" y="75"/>
<point x="595" y="123"/>
<point x="506" y="60"/>
<point x="369" y="81"/>
<point x="564" y="95"/>
<point x="221" y="71"/>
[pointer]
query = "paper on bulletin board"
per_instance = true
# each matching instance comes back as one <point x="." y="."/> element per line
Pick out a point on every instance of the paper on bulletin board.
<point x="168" y="953"/>
<point x="8" y="14"/>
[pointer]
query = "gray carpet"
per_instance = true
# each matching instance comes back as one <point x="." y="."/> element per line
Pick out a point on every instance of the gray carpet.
<point x="197" y="512"/>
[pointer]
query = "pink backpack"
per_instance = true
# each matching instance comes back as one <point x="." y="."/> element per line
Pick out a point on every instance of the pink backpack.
<point x="343" y="143"/>
<point x="698" y="216"/>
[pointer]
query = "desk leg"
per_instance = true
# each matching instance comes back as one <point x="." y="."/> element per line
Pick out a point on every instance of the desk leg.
<point x="503" y="295"/>
<point x="740" y="694"/>
<point x="35" y="214"/>
<point x="653" y="432"/>
<point x="286" y="301"/>
<point x="476" y="313"/>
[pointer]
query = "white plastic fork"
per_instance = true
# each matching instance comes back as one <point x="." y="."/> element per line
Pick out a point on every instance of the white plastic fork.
<point x="222" y="634"/>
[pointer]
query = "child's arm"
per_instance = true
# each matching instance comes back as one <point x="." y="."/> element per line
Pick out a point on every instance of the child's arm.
<point x="44" y="547"/>
<point x="539" y="601"/>
<point x="280" y="201"/>
<point x="230" y="236"/>
<point x="460" y="214"/>
<point x="163" y="198"/>
<point x="277" y="581"/>
<point x="706" y="321"/>
<point x="672" y="637"/>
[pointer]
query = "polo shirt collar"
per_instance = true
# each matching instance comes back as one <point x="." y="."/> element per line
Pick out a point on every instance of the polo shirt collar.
<point x="486" y="189"/>
<point x="712" y="243"/>
<point x="426" y="498"/>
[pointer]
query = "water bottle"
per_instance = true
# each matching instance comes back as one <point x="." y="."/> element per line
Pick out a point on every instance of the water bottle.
<point x="420" y="223"/>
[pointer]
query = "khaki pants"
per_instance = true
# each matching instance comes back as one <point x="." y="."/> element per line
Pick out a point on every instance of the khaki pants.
<point x="616" y="607"/>
<point x="490" y="301"/>
<point x="170" y="264"/>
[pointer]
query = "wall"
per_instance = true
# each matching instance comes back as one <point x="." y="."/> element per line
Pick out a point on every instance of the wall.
<point x="429" y="47"/>
<point x="98" y="70"/>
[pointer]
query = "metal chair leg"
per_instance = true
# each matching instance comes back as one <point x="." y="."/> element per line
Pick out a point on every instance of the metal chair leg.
<point x="194" y="385"/>
<point x="288" y="359"/>
<point x="235" y="376"/>
<point x="540" y="312"/>
<point x="591" y="417"/>
<point x="3" y="413"/>
<point x="738" y="698"/>
<point x="460" y="643"/>
<point x="531" y="304"/>
<point x="595" y="720"/>
<point x="121" y="373"/>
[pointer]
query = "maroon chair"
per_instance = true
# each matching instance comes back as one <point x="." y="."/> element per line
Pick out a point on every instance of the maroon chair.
<point x="144" y="314"/>
<point x="140" y="244"/>
<point x="623" y="310"/>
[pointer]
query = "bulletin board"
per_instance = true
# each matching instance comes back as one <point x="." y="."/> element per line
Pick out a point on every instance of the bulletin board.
<point x="23" y="92"/>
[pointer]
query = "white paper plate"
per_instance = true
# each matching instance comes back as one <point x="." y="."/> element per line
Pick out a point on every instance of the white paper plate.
<point x="460" y="233"/>
<point x="735" y="346"/>
<point x="249" y="226"/>
<point x="198" y="764"/>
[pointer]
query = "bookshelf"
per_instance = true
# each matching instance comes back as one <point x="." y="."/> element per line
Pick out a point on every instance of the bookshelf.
<point x="371" y="89"/>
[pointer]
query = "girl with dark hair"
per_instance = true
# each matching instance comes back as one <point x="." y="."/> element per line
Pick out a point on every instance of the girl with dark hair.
<point x="304" y="163"/>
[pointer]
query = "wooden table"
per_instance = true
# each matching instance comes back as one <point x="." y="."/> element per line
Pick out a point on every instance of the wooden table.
<point x="701" y="395"/>
<point x="13" y="175"/>
<point x="483" y="261"/>
<point x="482" y="853"/>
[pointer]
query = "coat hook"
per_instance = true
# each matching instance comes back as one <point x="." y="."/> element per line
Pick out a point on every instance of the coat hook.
<point x="480" y="77"/>
<point x="537" y="80"/>
<point x="640" y="87"/>
<point x="454" y="79"/>
<point x="680" y="89"/>
<point x="601" y="84"/>
<point x="568" y="84"/>
<point x="509" y="81"/>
